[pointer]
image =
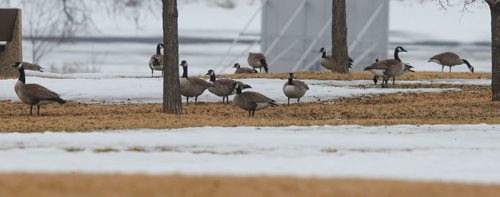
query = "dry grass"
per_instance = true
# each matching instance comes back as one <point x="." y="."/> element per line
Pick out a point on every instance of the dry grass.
<point x="43" y="185"/>
<point x="471" y="106"/>
<point x="363" y="76"/>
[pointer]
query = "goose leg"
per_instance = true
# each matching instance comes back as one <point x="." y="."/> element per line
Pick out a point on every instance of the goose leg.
<point x="196" y="100"/>
<point x="375" y="79"/>
<point x="151" y="72"/>
<point x="31" y="110"/>
<point x="253" y="113"/>
<point x="250" y="113"/>
<point x="393" y="81"/>
<point x="187" y="100"/>
<point x="227" y="99"/>
<point x="223" y="99"/>
<point x="298" y="100"/>
<point x="450" y="69"/>
<point x="442" y="68"/>
<point x="38" y="109"/>
<point x="288" y="101"/>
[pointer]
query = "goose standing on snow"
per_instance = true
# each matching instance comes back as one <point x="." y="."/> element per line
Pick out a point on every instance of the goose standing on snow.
<point x="32" y="66"/>
<point x="388" y="68"/>
<point x="156" y="60"/>
<point x="243" y="70"/>
<point x="251" y="101"/>
<point x="327" y="60"/>
<point x="33" y="94"/>
<point x="294" y="88"/>
<point x="192" y="86"/>
<point x="450" y="59"/>
<point x="258" y="60"/>
<point x="224" y="87"/>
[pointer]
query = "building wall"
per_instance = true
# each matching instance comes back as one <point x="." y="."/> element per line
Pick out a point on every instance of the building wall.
<point x="13" y="50"/>
<point x="308" y="23"/>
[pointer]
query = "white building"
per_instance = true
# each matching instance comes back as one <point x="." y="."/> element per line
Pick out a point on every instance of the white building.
<point x="293" y="31"/>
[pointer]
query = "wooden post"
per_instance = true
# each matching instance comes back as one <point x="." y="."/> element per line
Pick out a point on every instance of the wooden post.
<point x="11" y="41"/>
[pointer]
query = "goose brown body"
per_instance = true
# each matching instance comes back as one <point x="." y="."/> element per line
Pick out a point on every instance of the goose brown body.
<point x="388" y="68"/>
<point x="258" y="60"/>
<point x="294" y="88"/>
<point x="192" y="86"/>
<point x="157" y="60"/>
<point x="34" y="94"/>
<point x="243" y="70"/>
<point x="251" y="101"/>
<point x="450" y="59"/>
<point x="224" y="87"/>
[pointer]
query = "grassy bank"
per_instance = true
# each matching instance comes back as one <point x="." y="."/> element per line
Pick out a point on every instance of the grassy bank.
<point x="470" y="106"/>
<point x="141" y="185"/>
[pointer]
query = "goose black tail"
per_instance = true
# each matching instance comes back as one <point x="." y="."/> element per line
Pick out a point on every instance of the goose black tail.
<point x="264" y="63"/>
<point x="60" y="101"/>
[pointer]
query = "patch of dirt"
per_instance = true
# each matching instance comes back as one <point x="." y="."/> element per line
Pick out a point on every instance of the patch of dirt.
<point x="43" y="185"/>
<point x="473" y="105"/>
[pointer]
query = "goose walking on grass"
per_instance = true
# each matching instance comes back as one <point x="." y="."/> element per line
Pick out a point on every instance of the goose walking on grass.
<point x="450" y="59"/>
<point x="389" y="67"/>
<point x="243" y="70"/>
<point x="223" y="87"/>
<point x="251" y="101"/>
<point x="294" y="88"/>
<point x="34" y="94"/>
<point x="258" y="60"/>
<point x="328" y="62"/>
<point x="192" y="86"/>
<point x="156" y="60"/>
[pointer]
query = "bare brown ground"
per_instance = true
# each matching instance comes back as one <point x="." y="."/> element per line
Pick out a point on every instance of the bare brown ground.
<point x="42" y="185"/>
<point x="363" y="75"/>
<point x="471" y="106"/>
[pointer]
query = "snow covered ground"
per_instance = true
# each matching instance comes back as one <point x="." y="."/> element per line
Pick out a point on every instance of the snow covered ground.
<point x="108" y="88"/>
<point x="458" y="153"/>
<point x="467" y="32"/>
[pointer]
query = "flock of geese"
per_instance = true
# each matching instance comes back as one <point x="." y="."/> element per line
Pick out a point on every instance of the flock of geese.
<point x="37" y="95"/>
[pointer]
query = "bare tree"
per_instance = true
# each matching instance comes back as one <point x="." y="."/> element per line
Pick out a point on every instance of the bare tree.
<point x="494" y="6"/>
<point x="49" y="23"/>
<point x="339" y="36"/>
<point x="172" y="102"/>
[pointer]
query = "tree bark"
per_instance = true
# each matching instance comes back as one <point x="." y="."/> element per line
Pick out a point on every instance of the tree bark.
<point x="339" y="37"/>
<point x="495" y="50"/>
<point x="172" y="103"/>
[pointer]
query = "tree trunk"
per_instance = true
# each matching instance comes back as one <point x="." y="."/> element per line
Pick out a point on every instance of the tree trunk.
<point x="495" y="49"/>
<point x="339" y="36"/>
<point x="172" y="103"/>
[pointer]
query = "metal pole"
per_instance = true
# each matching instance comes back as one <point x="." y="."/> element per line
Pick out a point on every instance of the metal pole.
<point x="365" y="28"/>
<point x="285" y="28"/>
<point x="241" y="33"/>
<point x="283" y="52"/>
<point x="308" y="50"/>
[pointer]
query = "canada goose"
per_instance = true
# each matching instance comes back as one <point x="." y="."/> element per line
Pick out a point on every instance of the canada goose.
<point x="294" y="88"/>
<point x="450" y="59"/>
<point x="243" y="70"/>
<point x="192" y="86"/>
<point x="32" y="66"/>
<point x="251" y="101"/>
<point x="257" y="60"/>
<point x="33" y="94"/>
<point x="224" y="87"/>
<point x="327" y="60"/>
<point x="388" y="68"/>
<point x="156" y="60"/>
